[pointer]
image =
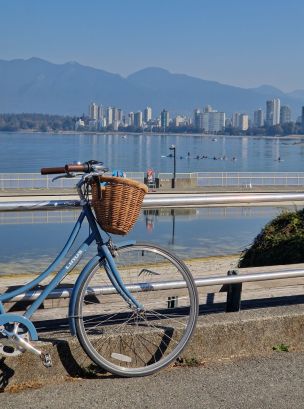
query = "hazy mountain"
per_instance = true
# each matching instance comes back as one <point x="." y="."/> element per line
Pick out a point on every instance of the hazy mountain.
<point x="35" y="85"/>
<point x="299" y="93"/>
<point x="269" y="90"/>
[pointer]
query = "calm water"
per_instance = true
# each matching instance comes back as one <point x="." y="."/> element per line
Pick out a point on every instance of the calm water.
<point x="30" y="239"/>
<point x="191" y="233"/>
<point x="29" y="152"/>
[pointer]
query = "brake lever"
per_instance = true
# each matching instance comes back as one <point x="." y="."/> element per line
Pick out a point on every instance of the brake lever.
<point x="67" y="175"/>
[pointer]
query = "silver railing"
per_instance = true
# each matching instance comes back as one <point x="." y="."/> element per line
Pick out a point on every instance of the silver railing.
<point x="165" y="285"/>
<point x="157" y="200"/>
<point x="237" y="179"/>
<point x="38" y="181"/>
<point x="199" y="179"/>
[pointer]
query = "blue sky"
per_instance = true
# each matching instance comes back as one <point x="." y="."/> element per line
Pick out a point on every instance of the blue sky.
<point x="240" y="42"/>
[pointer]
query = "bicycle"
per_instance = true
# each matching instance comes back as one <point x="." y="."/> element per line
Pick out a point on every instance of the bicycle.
<point x="134" y="305"/>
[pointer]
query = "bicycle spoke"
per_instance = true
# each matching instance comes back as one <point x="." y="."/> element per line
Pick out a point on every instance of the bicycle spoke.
<point x="139" y="342"/>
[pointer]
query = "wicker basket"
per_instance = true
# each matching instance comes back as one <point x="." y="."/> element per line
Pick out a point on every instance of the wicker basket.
<point x="117" y="203"/>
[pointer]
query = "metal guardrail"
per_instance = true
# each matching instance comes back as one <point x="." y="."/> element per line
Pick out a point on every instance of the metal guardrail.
<point x="156" y="200"/>
<point x="238" y="179"/>
<point x="38" y="181"/>
<point x="165" y="285"/>
<point x="200" y="179"/>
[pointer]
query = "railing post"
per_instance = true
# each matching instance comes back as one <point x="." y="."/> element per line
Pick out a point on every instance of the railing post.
<point x="234" y="293"/>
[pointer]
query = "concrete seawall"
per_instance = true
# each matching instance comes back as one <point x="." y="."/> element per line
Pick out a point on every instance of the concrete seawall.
<point x="217" y="337"/>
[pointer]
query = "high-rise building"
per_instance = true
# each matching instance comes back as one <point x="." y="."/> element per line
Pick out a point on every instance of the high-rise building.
<point x="93" y="111"/>
<point x="131" y="119"/>
<point x="258" y="118"/>
<point x="164" y="119"/>
<point x="244" y="122"/>
<point x="216" y="121"/>
<point x="208" y="108"/>
<point x="197" y="119"/>
<point x="120" y="114"/>
<point x="285" y="114"/>
<point x="179" y="120"/>
<point x="273" y="112"/>
<point x="147" y="114"/>
<point x="209" y="121"/>
<point x="235" y="120"/>
<point x="138" y="119"/>
<point x="100" y="113"/>
<point x="109" y="116"/>
<point x="276" y="111"/>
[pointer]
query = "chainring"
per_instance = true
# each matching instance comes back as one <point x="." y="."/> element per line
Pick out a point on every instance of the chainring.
<point x="9" y="348"/>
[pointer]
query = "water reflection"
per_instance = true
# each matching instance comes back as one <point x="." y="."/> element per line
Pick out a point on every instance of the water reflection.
<point x="29" y="152"/>
<point x="29" y="240"/>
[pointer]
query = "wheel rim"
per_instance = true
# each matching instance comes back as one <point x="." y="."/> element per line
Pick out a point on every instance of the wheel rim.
<point x="124" y="340"/>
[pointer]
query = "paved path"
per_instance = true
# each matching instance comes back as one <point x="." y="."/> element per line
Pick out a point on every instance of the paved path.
<point x="264" y="383"/>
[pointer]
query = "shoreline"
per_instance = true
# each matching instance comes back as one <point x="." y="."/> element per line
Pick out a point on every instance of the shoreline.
<point x="197" y="265"/>
<point x="143" y="133"/>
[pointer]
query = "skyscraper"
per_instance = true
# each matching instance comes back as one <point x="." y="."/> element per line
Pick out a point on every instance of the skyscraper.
<point x="276" y="111"/>
<point x="285" y="114"/>
<point x="209" y="121"/>
<point x="138" y="119"/>
<point x="164" y="119"/>
<point x="235" y="120"/>
<point x="131" y="118"/>
<point x="147" y="114"/>
<point x="100" y="112"/>
<point x="216" y="121"/>
<point x="244" y="122"/>
<point x="197" y="119"/>
<point x="109" y="116"/>
<point x="93" y="111"/>
<point x="258" y="118"/>
<point x="273" y="112"/>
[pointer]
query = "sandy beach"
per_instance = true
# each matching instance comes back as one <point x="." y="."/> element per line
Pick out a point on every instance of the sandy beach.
<point x="215" y="265"/>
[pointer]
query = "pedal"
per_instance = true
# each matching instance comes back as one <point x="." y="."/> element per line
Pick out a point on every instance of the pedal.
<point x="46" y="360"/>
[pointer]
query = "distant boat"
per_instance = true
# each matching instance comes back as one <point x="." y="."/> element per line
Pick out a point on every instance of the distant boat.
<point x="214" y="139"/>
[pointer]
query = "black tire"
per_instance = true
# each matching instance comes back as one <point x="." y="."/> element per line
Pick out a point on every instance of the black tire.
<point x="122" y="340"/>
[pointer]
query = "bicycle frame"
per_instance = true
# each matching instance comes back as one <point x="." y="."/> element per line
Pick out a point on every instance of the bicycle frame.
<point x="103" y="257"/>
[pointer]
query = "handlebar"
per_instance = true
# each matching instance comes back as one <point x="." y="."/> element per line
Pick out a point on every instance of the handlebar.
<point x="52" y="171"/>
<point x="86" y="167"/>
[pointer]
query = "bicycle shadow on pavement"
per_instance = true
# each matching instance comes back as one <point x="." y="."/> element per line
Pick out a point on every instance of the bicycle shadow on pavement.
<point x="6" y="373"/>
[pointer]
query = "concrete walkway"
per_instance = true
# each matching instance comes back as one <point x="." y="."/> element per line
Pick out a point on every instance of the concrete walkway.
<point x="272" y="382"/>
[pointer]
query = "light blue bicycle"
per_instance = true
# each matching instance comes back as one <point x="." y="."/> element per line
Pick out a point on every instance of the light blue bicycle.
<point x="133" y="306"/>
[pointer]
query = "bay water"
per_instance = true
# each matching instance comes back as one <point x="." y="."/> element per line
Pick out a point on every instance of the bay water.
<point x="30" y="239"/>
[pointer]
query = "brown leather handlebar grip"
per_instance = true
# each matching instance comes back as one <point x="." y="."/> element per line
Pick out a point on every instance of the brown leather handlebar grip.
<point x="83" y="167"/>
<point x="53" y="171"/>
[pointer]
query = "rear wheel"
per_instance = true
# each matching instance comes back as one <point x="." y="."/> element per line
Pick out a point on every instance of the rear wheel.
<point x="128" y="342"/>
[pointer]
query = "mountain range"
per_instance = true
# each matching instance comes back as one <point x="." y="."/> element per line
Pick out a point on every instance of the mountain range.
<point x="36" y="85"/>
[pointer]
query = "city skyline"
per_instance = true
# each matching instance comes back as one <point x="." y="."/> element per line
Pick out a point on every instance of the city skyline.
<point x="207" y="120"/>
<point x="236" y="43"/>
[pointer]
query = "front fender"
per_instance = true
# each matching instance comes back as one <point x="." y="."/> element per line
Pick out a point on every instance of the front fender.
<point x="86" y="270"/>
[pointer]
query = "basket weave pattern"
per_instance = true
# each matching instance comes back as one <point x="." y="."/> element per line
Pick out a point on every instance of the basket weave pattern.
<point x="117" y="204"/>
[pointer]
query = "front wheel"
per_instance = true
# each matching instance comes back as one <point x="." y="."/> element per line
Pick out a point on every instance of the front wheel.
<point x="128" y="342"/>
